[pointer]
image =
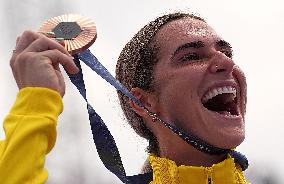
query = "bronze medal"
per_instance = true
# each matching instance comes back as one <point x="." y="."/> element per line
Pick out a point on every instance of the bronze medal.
<point x="78" y="32"/>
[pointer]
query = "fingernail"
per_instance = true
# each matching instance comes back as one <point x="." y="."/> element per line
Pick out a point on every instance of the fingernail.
<point x="59" y="39"/>
<point x="50" y="33"/>
<point x="62" y="43"/>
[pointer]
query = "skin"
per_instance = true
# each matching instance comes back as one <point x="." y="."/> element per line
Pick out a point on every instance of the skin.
<point x="35" y="62"/>
<point x="181" y="77"/>
<point x="179" y="85"/>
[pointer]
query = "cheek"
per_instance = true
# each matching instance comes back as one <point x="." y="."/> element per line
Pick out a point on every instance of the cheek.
<point x="177" y="93"/>
<point x="179" y="85"/>
<point x="182" y="82"/>
<point x="240" y="77"/>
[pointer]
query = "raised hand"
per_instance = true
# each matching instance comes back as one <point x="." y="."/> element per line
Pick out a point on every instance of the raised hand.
<point x="36" y="59"/>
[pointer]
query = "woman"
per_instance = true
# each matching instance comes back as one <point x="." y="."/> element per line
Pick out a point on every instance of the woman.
<point x="184" y="74"/>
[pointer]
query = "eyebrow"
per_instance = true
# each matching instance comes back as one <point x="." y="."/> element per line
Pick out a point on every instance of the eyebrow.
<point x="195" y="45"/>
<point x="223" y="43"/>
<point x="200" y="44"/>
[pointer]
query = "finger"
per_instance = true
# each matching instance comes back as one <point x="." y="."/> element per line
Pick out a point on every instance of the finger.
<point x="17" y="41"/>
<point x="61" y="82"/>
<point x="58" y="57"/>
<point x="52" y="36"/>
<point x="25" y="40"/>
<point x="21" y="43"/>
<point x="15" y="53"/>
<point x="49" y="34"/>
<point x="61" y="41"/>
<point x="43" y="43"/>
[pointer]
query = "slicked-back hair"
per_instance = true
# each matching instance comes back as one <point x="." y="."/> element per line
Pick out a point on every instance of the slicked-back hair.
<point x="135" y="67"/>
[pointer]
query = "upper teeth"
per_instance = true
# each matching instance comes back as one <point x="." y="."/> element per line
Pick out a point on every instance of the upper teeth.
<point x="217" y="91"/>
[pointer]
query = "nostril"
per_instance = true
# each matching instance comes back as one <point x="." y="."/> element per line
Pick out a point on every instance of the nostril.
<point x="220" y="70"/>
<point x="217" y="69"/>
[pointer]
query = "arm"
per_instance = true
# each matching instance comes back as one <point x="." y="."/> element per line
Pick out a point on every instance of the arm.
<point x="30" y="127"/>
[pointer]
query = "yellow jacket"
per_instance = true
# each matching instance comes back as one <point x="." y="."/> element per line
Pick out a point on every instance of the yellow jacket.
<point x="166" y="171"/>
<point x="30" y="129"/>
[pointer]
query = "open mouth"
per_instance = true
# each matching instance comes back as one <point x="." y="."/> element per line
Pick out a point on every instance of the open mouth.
<point x="222" y="100"/>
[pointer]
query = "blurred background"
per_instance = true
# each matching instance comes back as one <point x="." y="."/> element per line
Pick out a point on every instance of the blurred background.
<point x="255" y="30"/>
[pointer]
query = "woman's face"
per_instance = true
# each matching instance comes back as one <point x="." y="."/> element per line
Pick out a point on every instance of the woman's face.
<point x="199" y="88"/>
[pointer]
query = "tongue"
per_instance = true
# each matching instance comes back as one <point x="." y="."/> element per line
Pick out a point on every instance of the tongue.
<point x="224" y="112"/>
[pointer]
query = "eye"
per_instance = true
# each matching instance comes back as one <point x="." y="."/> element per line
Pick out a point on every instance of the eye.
<point x="228" y="53"/>
<point x="190" y="57"/>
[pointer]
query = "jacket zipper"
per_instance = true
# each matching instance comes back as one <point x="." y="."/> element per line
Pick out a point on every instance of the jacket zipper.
<point x="208" y="171"/>
<point x="209" y="180"/>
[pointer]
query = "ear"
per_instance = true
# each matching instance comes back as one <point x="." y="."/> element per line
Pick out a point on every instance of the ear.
<point x="149" y="100"/>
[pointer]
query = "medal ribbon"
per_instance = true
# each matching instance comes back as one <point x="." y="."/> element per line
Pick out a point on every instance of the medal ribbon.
<point x="104" y="141"/>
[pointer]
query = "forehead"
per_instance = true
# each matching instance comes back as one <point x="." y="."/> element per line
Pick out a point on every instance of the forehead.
<point x="184" y="30"/>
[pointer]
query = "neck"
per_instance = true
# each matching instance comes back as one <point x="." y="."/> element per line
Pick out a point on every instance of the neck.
<point x="176" y="149"/>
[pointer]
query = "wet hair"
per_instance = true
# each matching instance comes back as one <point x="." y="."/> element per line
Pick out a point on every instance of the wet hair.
<point x="135" y="68"/>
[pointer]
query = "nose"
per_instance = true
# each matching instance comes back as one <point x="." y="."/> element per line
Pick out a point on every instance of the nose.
<point x="221" y="64"/>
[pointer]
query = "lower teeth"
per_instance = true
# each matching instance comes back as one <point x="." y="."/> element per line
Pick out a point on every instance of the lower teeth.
<point x="225" y="113"/>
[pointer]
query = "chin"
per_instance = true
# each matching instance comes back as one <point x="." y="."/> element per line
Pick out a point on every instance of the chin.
<point x="230" y="139"/>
